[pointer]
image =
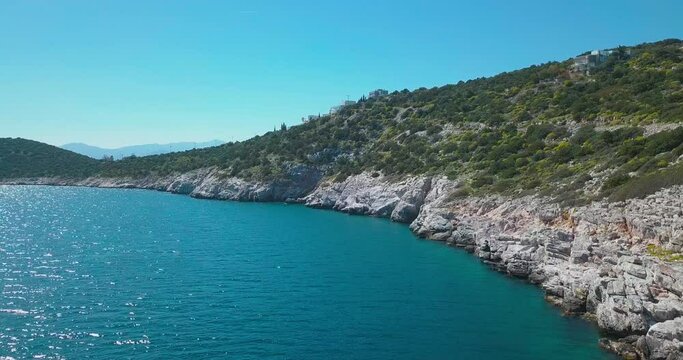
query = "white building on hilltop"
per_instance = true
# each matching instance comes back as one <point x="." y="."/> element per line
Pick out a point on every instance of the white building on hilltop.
<point x="595" y="58"/>
<point x="377" y="93"/>
<point x="344" y="103"/>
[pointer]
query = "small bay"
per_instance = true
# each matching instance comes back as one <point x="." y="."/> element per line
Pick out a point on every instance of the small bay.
<point x="114" y="274"/>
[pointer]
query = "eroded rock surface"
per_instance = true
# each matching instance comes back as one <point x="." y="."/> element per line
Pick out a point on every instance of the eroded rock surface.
<point x="297" y="181"/>
<point x="377" y="196"/>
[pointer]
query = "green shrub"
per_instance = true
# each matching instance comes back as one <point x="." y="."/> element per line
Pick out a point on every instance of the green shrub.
<point x="664" y="141"/>
<point x="635" y="164"/>
<point x="562" y="172"/>
<point x="662" y="163"/>
<point x="503" y="185"/>
<point x="531" y="183"/>
<point x="583" y="134"/>
<point x="615" y="181"/>
<point x="579" y="182"/>
<point x="663" y="254"/>
<point x="481" y="180"/>
<point x="620" y="135"/>
<point x="644" y="185"/>
<point x="460" y="192"/>
<point x="632" y="147"/>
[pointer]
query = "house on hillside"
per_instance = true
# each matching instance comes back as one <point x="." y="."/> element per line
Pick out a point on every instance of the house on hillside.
<point x="377" y="93"/>
<point x="344" y="103"/>
<point x="596" y="57"/>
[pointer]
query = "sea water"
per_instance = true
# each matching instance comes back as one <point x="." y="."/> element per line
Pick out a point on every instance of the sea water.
<point x="134" y="274"/>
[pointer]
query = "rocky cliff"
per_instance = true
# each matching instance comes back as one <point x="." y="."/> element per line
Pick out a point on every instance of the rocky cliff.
<point x="208" y="183"/>
<point x="613" y="263"/>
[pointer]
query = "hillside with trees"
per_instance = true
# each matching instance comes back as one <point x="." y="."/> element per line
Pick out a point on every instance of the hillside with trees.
<point x="27" y="158"/>
<point x="611" y="132"/>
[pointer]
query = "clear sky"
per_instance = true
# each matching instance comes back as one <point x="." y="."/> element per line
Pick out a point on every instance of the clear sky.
<point x="113" y="73"/>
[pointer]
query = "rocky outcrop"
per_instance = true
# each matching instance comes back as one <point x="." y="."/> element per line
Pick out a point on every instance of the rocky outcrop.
<point x="298" y="181"/>
<point x="664" y="340"/>
<point x="592" y="260"/>
<point x="366" y="194"/>
<point x="210" y="183"/>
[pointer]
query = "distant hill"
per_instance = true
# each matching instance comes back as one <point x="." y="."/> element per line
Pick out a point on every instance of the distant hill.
<point x="28" y="158"/>
<point x="137" y="150"/>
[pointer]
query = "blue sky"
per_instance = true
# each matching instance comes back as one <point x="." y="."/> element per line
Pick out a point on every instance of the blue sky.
<point x="113" y="73"/>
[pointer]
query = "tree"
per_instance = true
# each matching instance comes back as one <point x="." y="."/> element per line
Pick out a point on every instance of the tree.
<point x="621" y="53"/>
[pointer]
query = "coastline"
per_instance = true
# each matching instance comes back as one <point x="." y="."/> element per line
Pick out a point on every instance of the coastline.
<point x="591" y="261"/>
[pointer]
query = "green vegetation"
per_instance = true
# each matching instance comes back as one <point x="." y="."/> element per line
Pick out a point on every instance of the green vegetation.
<point x="663" y="254"/>
<point x="26" y="158"/>
<point x="649" y="183"/>
<point x="541" y="129"/>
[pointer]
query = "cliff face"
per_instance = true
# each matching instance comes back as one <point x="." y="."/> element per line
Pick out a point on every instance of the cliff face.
<point x="367" y="195"/>
<point x="208" y="183"/>
<point x="592" y="260"/>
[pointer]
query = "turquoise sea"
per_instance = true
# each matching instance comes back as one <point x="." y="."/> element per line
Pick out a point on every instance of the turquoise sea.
<point x="133" y="274"/>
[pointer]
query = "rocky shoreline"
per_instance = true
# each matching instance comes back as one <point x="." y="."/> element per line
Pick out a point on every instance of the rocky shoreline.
<point x="596" y="261"/>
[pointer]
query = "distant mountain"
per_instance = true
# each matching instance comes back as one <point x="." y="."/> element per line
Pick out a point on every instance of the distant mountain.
<point x="138" y="150"/>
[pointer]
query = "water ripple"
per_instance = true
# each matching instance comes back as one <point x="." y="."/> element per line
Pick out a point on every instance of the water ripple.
<point x="108" y="274"/>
